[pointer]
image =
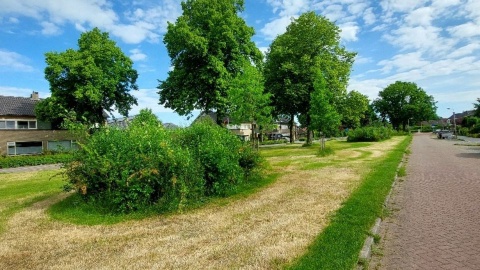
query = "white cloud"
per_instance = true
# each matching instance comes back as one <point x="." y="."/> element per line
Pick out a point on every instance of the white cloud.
<point x="147" y="98"/>
<point x="334" y="12"/>
<point x="137" y="55"/>
<point x="421" y="16"/>
<point x="369" y="17"/>
<point x="13" y="20"/>
<point x="288" y="8"/>
<point x="356" y="8"/>
<point x="472" y="8"/>
<point x="50" y="29"/>
<point x="421" y="38"/>
<point x="403" y="62"/>
<point x="401" y="6"/>
<point x="276" y="27"/>
<point x="140" y="25"/>
<point x="14" y="61"/>
<point x="349" y="31"/>
<point x="465" y="50"/>
<point x="466" y="30"/>
<point x="362" y="60"/>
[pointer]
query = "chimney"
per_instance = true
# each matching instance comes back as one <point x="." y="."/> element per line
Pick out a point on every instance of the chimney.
<point x="35" y="96"/>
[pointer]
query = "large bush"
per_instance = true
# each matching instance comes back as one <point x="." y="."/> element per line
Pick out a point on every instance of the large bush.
<point x="146" y="165"/>
<point x="369" y="134"/>
<point x="134" y="168"/>
<point x="218" y="151"/>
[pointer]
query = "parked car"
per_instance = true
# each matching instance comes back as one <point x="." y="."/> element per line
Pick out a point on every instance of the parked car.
<point x="277" y="136"/>
<point x="444" y="134"/>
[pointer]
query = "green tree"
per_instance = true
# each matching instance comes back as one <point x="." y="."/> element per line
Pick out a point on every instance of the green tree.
<point x="371" y="116"/>
<point x="324" y="116"/>
<point x="87" y="82"/>
<point x="208" y="46"/>
<point x="247" y="100"/>
<point x="309" y="48"/>
<point x="477" y="107"/>
<point x="354" y="108"/>
<point x="404" y="102"/>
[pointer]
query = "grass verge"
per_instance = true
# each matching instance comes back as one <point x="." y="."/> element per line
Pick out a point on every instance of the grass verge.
<point x="20" y="190"/>
<point x="74" y="210"/>
<point x="339" y="245"/>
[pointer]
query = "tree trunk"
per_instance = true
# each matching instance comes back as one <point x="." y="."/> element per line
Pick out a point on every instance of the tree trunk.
<point x="309" y="131"/>
<point x="290" y="126"/>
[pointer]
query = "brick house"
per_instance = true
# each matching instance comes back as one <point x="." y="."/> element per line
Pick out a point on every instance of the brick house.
<point x="21" y="133"/>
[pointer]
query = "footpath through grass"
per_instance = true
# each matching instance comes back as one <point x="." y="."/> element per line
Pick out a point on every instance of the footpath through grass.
<point x="20" y="190"/>
<point x="339" y="245"/>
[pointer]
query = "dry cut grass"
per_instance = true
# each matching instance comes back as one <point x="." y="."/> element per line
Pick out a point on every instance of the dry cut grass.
<point x="263" y="231"/>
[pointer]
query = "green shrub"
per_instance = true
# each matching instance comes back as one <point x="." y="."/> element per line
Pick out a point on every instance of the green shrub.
<point x="127" y="170"/>
<point x="32" y="160"/>
<point x="146" y="166"/>
<point x="250" y="160"/>
<point x="216" y="149"/>
<point x="369" y="134"/>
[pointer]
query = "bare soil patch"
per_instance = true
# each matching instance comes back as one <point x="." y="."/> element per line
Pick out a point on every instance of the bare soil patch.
<point x="264" y="231"/>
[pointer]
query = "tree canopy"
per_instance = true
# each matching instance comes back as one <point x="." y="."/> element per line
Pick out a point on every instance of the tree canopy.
<point x="209" y="45"/>
<point x="477" y="107"/>
<point x="247" y="100"/>
<point x="403" y="102"/>
<point x="309" y="48"/>
<point x="88" y="82"/>
<point x="354" y="109"/>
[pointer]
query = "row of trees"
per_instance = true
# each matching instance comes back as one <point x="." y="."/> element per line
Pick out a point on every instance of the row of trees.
<point x="217" y="67"/>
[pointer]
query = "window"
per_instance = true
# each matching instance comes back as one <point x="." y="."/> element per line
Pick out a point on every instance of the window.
<point x="22" y="124"/>
<point x="10" y="124"/>
<point x="24" y="148"/>
<point x="11" y="148"/>
<point x="62" y="146"/>
<point x="18" y="124"/>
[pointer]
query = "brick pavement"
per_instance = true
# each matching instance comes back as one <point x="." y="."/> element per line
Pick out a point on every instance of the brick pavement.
<point x="435" y="221"/>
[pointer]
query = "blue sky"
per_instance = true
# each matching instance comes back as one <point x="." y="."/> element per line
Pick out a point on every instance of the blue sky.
<point x="435" y="44"/>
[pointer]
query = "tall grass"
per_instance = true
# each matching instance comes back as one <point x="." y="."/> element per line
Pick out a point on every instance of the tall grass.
<point x="339" y="245"/>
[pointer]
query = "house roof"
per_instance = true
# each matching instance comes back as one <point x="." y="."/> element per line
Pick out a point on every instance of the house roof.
<point x="17" y="106"/>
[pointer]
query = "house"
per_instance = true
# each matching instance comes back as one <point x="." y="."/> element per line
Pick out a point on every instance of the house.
<point x="124" y="122"/>
<point x="282" y="130"/>
<point x="242" y="130"/>
<point x="458" y="117"/>
<point x="21" y="133"/>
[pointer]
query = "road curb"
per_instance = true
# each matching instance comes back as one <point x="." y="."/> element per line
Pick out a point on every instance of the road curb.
<point x="366" y="252"/>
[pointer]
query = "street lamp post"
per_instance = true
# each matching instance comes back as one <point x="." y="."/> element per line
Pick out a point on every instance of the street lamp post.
<point x="454" y="123"/>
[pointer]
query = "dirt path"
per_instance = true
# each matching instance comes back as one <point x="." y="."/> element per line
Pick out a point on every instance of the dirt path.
<point x="435" y="222"/>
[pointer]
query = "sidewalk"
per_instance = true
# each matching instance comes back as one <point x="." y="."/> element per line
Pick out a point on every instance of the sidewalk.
<point x="435" y="220"/>
<point x="31" y="168"/>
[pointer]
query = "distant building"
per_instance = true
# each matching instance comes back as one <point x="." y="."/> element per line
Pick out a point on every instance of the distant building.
<point x="123" y="123"/>
<point x="22" y="133"/>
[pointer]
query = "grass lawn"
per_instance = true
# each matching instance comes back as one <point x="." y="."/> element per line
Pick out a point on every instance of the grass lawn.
<point x="307" y="203"/>
<point x="20" y="190"/>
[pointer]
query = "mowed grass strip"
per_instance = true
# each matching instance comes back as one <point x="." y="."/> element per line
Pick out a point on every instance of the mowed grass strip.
<point x="266" y="226"/>
<point x="21" y="190"/>
<point x="339" y="245"/>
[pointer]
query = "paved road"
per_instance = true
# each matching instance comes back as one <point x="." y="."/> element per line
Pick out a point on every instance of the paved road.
<point x="435" y="222"/>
